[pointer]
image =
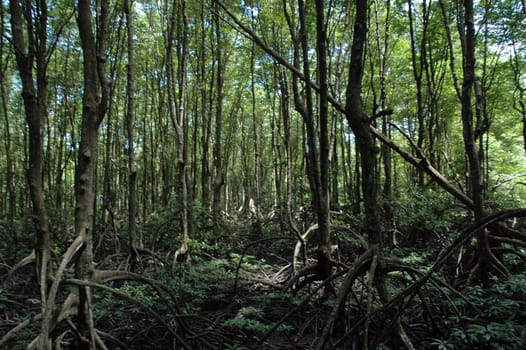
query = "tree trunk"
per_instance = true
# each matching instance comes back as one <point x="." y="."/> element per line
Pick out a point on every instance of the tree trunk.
<point x="475" y="179"/>
<point x="11" y="192"/>
<point x="385" y="150"/>
<point x="285" y="114"/>
<point x="95" y="104"/>
<point x="130" y="120"/>
<point x="255" y="142"/>
<point x="468" y="84"/>
<point x="417" y="66"/>
<point x="323" y="110"/>
<point x="182" y="153"/>
<point x="519" y="103"/>
<point x="359" y="123"/>
<point x="35" y="103"/>
<point x="205" y="110"/>
<point x="219" y="178"/>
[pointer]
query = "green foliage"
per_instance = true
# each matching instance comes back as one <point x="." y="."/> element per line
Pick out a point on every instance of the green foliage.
<point x="16" y="240"/>
<point x="251" y="319"/>
<point x="501" y="322"/>
<point x="111" y="306"/>
<point x="202" y="284"/>
<point x="427" y="209"/>
<point x="419" y="260"/>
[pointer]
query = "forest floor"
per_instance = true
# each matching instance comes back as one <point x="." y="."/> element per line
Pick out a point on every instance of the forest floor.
<point x="231" y="294"/>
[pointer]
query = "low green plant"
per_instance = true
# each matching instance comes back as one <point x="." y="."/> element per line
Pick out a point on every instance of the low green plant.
<point x="251" y="319"/>
<point x="500" y="322"/>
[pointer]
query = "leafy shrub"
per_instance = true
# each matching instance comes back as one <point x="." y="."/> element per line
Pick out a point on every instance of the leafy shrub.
<point x="500" y="324"/>
<point x="251" y="319"/>
<point x="16" y="240"/>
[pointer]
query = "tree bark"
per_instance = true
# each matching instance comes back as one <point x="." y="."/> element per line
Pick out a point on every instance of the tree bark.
<point x="130" y="120"/>
<point x="30" y="46"/>
<point x="324" y="164"/>
<point x="475" y="177"/>
<point x="219" y="177"/>
<point x="94" y="107"/>
<point x="417" y="75"/>
<point x="359" y="123"/>
<point x="11" y="191"/>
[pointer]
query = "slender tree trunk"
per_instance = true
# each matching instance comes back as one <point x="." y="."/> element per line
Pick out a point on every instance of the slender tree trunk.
<point x="130" y="120"/>
<point x="255" y="142"/>
<point x="182" y="140"/>
<point x="359" y="123"/>
<point x="11" y="192"/>
<point x="385" y="150"/>
<point x="176" y="74"/>
<point x="475" y="178"/>
<point x="285" y="114"/>
<point x="95" y="104"/>
<point x="206" y="86"/>
<point x="219" y="178"/>
<point x="417" y="65"/>
<point x="519" y="104"/>
<point x="31" y="46"/>
<point x="323" y="110"/>
<point x="468" y="85"/>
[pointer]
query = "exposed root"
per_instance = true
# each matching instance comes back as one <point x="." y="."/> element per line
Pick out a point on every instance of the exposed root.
<point x="50" y="302"/>
<point x="299" y="306"/>
<point x="19" y="327"/>
<point x="25" y="261"/>
<point x="372" y="271"/>
<point x="129" y="298"/>
<point x="361" y="264"/>
<point x="244" y="252"/>
<point x="414" y="288"/>
<point x="300" y="249"/>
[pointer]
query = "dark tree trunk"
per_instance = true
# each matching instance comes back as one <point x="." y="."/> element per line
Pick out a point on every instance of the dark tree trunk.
<point x="359" y="123"/>
<point x="468" y="84"/>
<point x="219" y="177"/>
<point x="323" y="111"/>
<point x="417" y="65"/>
<point x="11" y="192"/>
<point x="130" y="120"/>
<point x="30" y="46"/>
<point x="95" y="103"/>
